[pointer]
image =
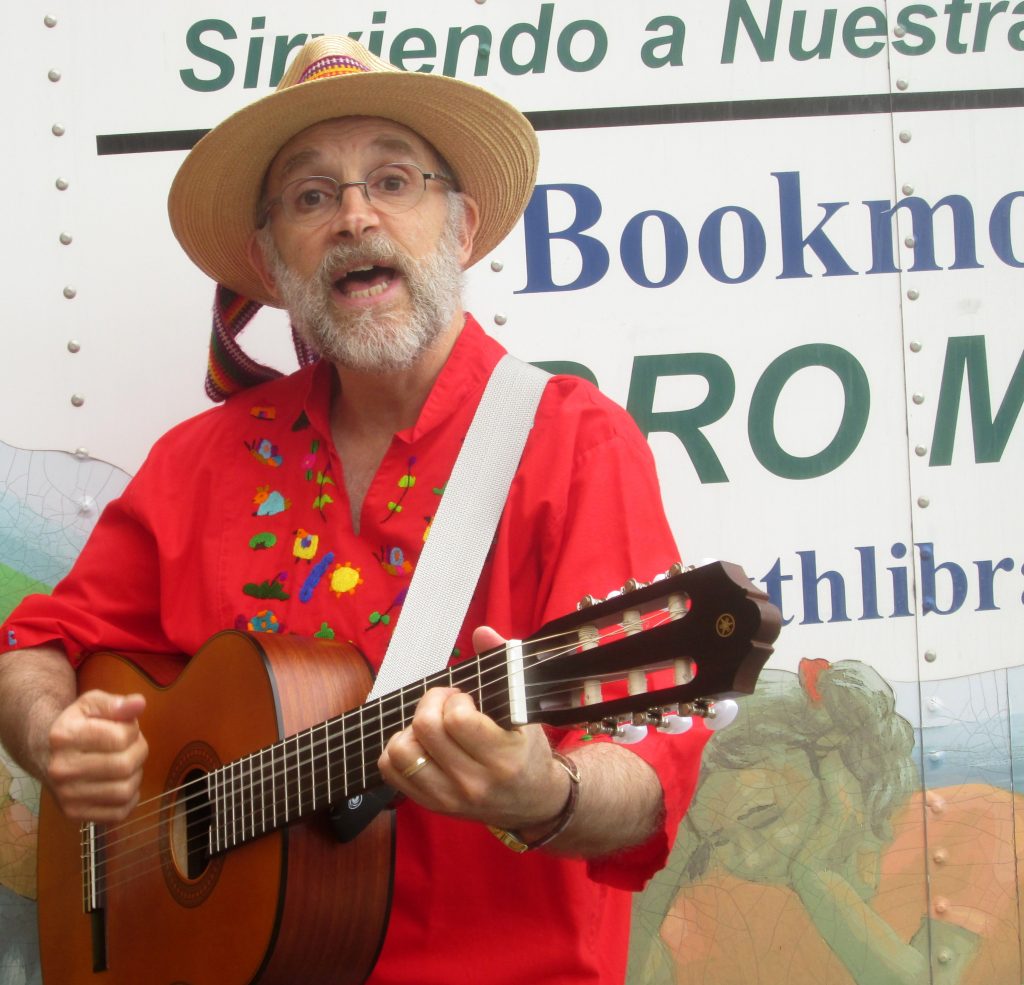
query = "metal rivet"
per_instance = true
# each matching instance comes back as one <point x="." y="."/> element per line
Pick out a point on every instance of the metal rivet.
<point x="81" y="453"/>
<point x="936" y="804"/>
<point x="53" y="75"/>
<point x="930" y="656"/>
<point x="65" y="238"/>
<point x="899" y="30"/>
<point x="50" y="21"/>
<point x="481" y="1"/>
<point x="910" y="242"/>
<point x="934" y="704"/>
<point x="500" y="319"/>
<point x="945" y="955"/>
<point x="86" y="506"/>
<point x="77" y="400"/>
<point x="62" y="185"/>
<point x="918" y="398"/>
<point x="915" y="346"/>
<point x="905" y="137"/>
<point x="940" y="856"/>
<point x="902" y="84"/>
<point x="69" y="292"/>
<point x="924" y="502"/>
<point x="908" y="189"/>
<point x="74" y="346"/>
<point x="57" y="130"/>
<point x="497" y="266"/>
<point x="935" y="756"/>
<point x="920" y="451"/>
<point x="913" y="295"/>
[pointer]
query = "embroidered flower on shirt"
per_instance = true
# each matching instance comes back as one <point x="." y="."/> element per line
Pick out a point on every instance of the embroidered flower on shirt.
<point x="263" y="541"/>
<point x="320" y="476"/>
<point x="264" y="413"/>
<point x="12" y="640"/>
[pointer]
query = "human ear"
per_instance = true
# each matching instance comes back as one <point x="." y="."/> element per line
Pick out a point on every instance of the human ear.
<point x="470" y="224"/>
<point x="254" y="249"/>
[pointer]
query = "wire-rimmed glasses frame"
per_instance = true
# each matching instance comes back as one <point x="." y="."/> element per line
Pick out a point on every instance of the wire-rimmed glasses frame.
<point x="315" y="199"/>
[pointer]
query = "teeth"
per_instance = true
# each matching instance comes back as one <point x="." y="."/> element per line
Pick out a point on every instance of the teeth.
<point x="370" y="291"/>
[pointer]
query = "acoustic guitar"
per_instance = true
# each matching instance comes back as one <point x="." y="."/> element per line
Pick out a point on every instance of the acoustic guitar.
<point x="229" y="866"/>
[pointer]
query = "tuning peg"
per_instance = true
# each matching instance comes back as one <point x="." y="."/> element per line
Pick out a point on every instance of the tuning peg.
<point x="675" y="724"/>
<point x="722" y="714"/>
<point x="626" y="735"/>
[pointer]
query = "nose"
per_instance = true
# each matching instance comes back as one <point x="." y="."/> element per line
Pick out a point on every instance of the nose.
<point x="355" y="216"/>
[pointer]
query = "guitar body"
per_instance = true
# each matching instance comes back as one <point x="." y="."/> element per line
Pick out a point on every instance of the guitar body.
<point x="292" y="906"/>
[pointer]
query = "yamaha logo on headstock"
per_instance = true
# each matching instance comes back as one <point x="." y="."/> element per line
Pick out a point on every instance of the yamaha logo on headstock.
<point x="725" y="625"/>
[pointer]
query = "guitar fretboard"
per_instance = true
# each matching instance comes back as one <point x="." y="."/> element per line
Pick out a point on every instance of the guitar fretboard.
<point x="332" y="761"/>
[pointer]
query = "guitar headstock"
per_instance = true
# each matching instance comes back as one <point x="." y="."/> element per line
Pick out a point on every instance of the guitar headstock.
<point x="708" y="630"/>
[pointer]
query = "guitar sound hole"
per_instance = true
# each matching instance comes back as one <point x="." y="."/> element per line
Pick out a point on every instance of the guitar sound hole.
<point x="190" y="827"/>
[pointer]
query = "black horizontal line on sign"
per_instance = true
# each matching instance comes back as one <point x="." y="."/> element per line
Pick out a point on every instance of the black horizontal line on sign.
<point x="632" y="116"/>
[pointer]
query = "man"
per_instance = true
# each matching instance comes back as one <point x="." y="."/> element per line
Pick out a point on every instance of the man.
<point x="354" y="196"/>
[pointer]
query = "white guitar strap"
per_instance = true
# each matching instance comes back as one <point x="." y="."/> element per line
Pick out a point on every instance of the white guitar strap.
<point x="463" y="527"/>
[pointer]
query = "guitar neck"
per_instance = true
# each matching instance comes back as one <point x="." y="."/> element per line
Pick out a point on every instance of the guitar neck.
<point x="709" y="626"/>
<point x="334" y="760"/>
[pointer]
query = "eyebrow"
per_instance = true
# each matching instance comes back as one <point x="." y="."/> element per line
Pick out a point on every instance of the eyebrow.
<point x="395" y="145"/>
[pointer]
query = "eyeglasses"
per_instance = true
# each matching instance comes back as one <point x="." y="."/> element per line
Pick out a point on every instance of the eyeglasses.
<point x="314" y="200"/>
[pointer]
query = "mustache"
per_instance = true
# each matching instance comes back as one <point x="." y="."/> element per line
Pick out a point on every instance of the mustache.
<point x="375" y="250"/>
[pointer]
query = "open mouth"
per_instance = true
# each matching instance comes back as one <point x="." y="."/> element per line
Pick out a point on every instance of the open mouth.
<point x="365" y="281"/>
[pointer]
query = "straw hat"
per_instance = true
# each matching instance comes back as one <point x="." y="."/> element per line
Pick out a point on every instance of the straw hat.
<point x="488" y="143"/>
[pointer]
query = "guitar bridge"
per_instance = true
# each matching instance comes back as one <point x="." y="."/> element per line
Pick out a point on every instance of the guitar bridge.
<point x="92" y="895"/>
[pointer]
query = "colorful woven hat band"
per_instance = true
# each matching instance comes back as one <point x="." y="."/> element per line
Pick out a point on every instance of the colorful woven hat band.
<point x="229" y="370"/>
<point x="331" y="65"/>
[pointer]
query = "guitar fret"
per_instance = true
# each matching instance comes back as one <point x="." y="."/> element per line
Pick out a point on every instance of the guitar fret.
<point x="263" y="798"/>
<point x="312" y="770"/>
<point x="273" y="784"/>
<point x="362" y="746"/>
<point x="344" y="755"/>
<point x="249" y="799"/>
<point x="234" y="814"/>
<point x="327" y="746"/>
<point x="298" y="776"/>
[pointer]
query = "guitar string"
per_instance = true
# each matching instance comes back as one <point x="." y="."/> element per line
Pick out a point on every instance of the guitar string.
<point x="290" y="793"/>
<point x="249" y="823"/>
<point x="318" y="750"/>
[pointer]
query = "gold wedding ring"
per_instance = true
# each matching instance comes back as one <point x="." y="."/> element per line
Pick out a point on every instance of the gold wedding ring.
<point x="411" y="771"/>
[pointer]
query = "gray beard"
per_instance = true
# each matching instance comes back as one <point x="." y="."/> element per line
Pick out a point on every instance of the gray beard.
<point x="379" y="339"/>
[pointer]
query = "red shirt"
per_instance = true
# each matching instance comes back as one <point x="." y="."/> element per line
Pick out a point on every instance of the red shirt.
<point x="239" y="517"/>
